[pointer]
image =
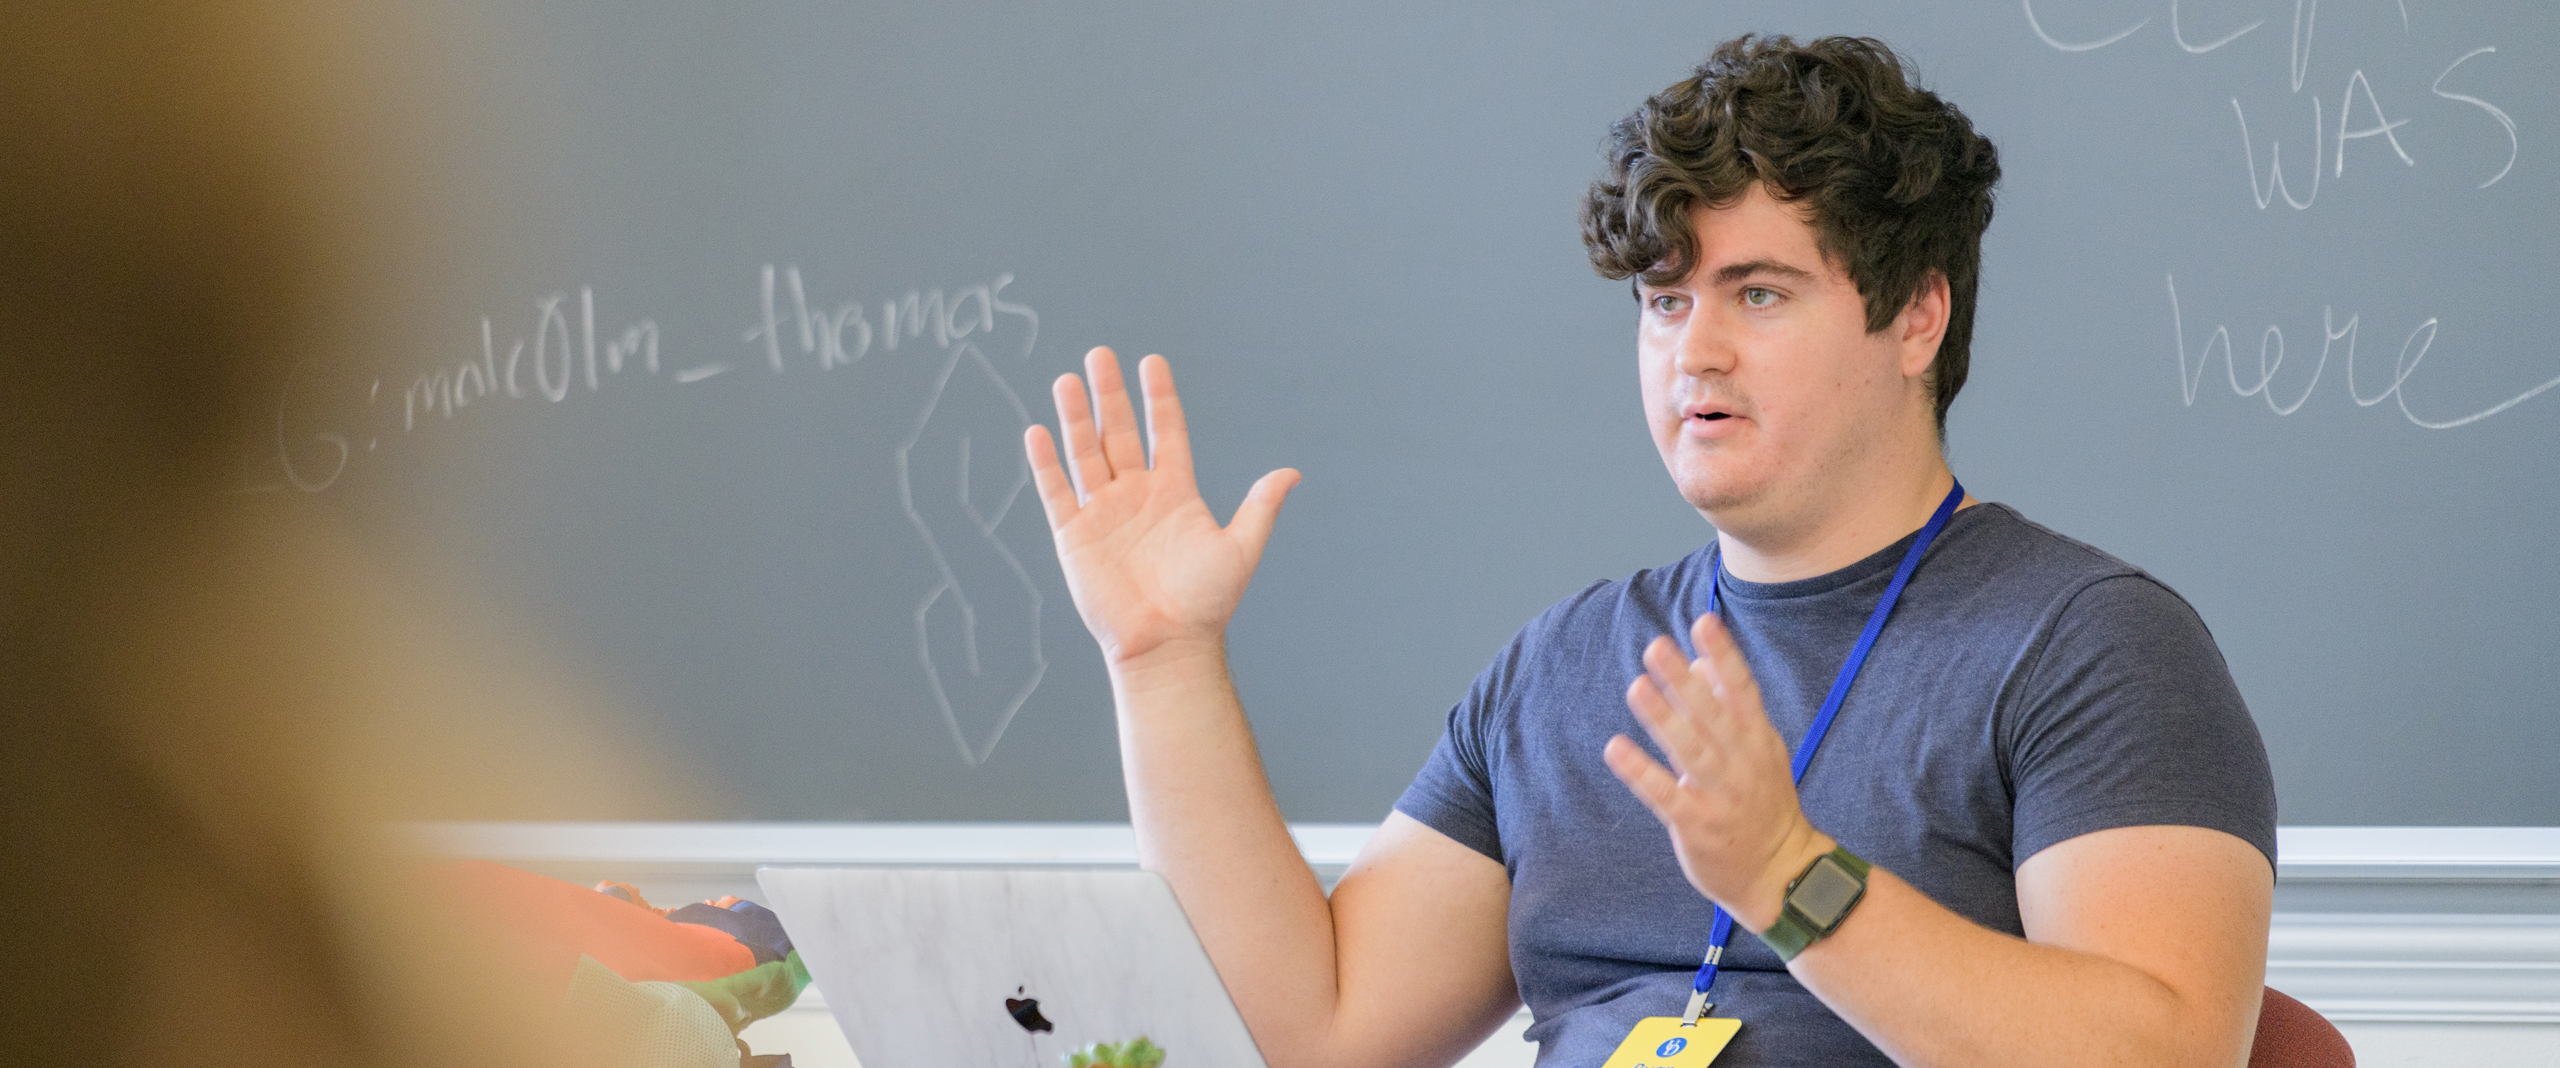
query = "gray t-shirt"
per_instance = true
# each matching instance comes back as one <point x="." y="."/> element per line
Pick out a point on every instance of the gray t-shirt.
<point x="2027" y="689"/>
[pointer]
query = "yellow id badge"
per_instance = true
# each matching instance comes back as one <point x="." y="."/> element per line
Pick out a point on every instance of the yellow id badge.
<point x="1661" y="1042"/>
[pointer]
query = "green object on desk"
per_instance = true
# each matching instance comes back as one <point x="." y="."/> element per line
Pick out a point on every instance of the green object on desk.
<point x="756" y="993"/>
<point x="1139" y="1052"/>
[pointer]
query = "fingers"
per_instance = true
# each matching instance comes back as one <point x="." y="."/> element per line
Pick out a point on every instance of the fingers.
<point x="1084" y="444"/>
<point x="1261" y="508"/>
<point x="1672" y="726"/>
<point x="1728" y="675"/>
<point x="1676" y="676"/>
<point x="1103" y="444"/>
<point x="1120" y="442"/>
<point x="1168" y="436"/>
<point x="1048" y="479"/>
<point x="1649" y="781"/>
<point x="1699" y="711"/>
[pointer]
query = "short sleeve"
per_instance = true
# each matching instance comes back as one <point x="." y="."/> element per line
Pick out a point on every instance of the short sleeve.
<point x="1453" y="793"/>
<point x="2129" y="717"/>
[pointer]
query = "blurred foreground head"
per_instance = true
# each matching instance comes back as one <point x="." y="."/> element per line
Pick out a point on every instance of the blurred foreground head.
<point x="212" y="707"/>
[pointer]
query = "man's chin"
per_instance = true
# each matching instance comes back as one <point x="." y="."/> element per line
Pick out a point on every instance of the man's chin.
<point x="1713" y="498"/>
<point x="1716" y="480"/>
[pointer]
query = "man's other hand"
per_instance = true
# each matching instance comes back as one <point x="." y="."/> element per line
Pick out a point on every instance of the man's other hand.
<point x="1727" y="798"/>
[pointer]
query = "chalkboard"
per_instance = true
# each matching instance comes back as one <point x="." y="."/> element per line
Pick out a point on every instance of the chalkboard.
<point x="724" y="402"/>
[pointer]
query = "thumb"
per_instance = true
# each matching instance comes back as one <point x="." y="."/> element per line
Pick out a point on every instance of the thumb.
<point x="1261" y="508"/>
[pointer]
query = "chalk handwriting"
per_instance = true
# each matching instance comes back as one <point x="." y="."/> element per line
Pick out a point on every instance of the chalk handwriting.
<point x="2358" y="88"/>
<point x="2179" y="34"/>
<point x="2305" y="14"/>
<point x="570" y="351"/>
<point x="2083" y="46"/>
<point x="294" y="476"/>
<point x="2358" y="99"/>
<point x="2381" y="127"/>
<point x="2510" y="124"/>
<point x="2368" y="111"/>
<point x="557" y="359"/>
<point x="821" y="332"/>
<point x="2275" y="162"/>
<point x="2303" y="19"/>
<point x="2271" y="356"/>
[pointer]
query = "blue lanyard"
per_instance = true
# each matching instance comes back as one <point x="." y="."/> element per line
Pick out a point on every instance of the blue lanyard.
<point x="1723" y="930"/>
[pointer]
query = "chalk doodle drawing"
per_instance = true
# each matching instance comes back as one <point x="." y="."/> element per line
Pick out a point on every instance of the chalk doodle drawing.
<point x="984" y="598"/>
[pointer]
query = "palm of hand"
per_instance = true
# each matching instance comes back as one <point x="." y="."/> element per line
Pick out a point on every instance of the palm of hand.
<point x="1147" y="563"/>
<point x="1727" y="797"/>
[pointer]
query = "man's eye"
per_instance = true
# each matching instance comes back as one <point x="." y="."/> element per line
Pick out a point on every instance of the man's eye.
<point x="1758" y="296"/>
<point x="1665" y="303"/>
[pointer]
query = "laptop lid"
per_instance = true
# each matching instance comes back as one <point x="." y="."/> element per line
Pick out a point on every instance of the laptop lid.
<point x="942" y="969"/>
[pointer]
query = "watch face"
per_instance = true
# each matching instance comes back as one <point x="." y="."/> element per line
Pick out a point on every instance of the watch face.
<point x="1826" y="893"/>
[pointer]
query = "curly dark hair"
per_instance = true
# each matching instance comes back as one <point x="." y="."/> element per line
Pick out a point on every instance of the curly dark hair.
<point x="1897" y="183"/>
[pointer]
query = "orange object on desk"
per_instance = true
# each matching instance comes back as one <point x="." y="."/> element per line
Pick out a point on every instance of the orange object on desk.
<point x="552" y="923"/>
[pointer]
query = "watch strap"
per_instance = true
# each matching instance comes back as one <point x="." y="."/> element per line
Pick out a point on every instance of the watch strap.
<point x="1794" y="930"/>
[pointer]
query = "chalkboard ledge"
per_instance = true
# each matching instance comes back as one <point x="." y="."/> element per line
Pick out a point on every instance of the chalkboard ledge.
<point x="2305" y="854"/>
<point x="709" y="847"/>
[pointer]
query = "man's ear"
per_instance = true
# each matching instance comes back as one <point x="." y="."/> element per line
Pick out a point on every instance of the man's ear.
<point x="1923" y="324"/>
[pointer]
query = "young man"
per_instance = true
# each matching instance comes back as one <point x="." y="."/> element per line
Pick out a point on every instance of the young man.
<point x="2042" y="830"/>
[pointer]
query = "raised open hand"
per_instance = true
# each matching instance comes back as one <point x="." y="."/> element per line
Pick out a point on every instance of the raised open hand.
<point x="1149" y="566"/>
<point x="1727" y="797"/>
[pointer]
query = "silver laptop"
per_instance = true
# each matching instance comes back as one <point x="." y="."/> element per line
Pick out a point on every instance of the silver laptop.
<point x="999" y="968"/>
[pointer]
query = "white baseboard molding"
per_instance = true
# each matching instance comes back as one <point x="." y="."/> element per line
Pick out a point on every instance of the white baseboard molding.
<point x="2420" y="968"/>
<point x="2442" y="924"/>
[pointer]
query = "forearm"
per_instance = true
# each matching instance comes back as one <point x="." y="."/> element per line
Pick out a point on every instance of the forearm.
<point x="1417" y="962"/>
<point x="1206" y="820"/>
<point x="1932" y="988"/>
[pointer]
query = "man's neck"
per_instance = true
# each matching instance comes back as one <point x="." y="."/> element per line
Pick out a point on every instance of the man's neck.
<point x="1841" y="531"/>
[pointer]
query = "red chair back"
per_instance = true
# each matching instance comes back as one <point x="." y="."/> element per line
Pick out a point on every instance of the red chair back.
<point x="2291" y="1035"/>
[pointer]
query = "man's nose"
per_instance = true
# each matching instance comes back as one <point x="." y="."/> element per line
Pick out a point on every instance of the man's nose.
<point x="1703" y="348"/>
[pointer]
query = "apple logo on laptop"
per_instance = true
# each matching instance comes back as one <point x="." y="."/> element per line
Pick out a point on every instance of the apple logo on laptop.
<point x="1025" y="1010"/>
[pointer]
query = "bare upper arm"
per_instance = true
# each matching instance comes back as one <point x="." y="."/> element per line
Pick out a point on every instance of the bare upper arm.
<point x="1423" y="958"/>
<point x="2186" y="905"/>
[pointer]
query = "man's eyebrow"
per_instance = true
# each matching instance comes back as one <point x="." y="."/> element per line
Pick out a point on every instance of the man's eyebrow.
<point x="1735" y="272"/>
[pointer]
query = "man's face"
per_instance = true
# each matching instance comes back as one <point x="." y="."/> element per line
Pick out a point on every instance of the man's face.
<point x="1762" y="386"/>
